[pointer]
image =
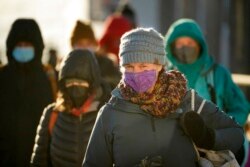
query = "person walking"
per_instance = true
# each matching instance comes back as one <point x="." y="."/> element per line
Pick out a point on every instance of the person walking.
<point x="65" y="125"/>
<point x="115" y="26"/>
<point x="83" y="37"/>
<point x="25" y="90"/>
<point x="152" y="118"/>
<point x="187" y="51"/>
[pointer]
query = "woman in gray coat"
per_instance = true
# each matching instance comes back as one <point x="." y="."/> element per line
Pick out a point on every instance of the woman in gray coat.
<point x="152" y="118"/>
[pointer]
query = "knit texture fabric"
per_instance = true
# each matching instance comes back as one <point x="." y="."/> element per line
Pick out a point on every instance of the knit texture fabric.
<point x="168" y="92"/>
<point x="142" y="45"/>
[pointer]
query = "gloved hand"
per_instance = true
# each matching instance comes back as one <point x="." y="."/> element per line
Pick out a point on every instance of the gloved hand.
<point x="194" y="126"/>
<point x="151" y="162"/>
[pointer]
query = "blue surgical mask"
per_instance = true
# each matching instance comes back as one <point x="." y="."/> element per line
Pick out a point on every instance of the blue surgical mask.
<point x="23" y="54"/>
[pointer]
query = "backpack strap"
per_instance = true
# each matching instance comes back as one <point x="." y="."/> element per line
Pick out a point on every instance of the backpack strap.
<point x="51" y="74"/>
<point x="52" y="120"/>
<point x="192" y="99"/>
<point x="193" y="102"/>
<point x="209" y="76"/>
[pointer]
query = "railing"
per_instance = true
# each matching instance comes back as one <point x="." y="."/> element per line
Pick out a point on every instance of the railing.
<point x="241" y="79"/>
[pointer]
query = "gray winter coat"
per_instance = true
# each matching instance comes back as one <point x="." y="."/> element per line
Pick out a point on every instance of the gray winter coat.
<point x="123" y="135"/>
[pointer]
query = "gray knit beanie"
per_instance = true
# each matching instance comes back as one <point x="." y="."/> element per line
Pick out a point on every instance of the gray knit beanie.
<point x="144" y="45"/>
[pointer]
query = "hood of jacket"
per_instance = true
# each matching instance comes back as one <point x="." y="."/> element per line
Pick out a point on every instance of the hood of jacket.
<point x="25" y="30"/>
<point x="114" y="27"/>
<point x="81" y="64"/>
<point x="189" y="28"/>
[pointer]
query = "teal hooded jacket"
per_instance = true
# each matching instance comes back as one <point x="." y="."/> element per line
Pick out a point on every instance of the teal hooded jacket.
<point x="212" y="81"/>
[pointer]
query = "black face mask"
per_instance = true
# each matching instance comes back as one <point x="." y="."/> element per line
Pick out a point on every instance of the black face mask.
<point x="186" y="54"/>
<point x="78" y="95"/>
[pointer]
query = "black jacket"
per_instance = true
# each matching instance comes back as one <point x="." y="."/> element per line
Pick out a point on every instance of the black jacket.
<point x="109" y="72"/>
<point x="67" y="143"/>
<point x="24" y="92"/>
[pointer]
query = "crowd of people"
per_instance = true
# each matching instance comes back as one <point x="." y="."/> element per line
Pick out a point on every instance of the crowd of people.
<point x="131" y="98"/>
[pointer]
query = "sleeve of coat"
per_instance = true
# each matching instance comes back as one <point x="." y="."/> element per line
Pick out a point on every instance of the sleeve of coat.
<point x="99" y="149"/>
<point x="235" y="102"/>
<point x="40" y="156"/>
<point x="228" y="133"/>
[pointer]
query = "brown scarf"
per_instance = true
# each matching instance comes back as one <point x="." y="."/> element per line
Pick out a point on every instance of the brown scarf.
<point x="164" y="99"/>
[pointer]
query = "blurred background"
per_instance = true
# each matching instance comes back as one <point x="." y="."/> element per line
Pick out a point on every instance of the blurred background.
<point x="226" y="23"/>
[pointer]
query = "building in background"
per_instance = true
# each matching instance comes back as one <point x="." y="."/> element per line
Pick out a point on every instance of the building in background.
<point x="56" y="19"/>
<point x="225" y="23"/>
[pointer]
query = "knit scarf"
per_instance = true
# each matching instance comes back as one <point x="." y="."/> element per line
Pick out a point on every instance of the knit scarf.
<point x="165" y="98"/>
<point x="84" y="108"/>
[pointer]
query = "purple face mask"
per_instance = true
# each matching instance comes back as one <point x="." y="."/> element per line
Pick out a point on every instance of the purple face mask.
<point x="140" y="81"/>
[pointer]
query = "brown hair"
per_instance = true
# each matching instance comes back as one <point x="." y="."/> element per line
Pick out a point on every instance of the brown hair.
<point x="82" y="30"/>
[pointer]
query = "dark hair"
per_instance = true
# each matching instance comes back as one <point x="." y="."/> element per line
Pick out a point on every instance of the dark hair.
<point x="127" y="11"/>
<point x="82" y="30"/>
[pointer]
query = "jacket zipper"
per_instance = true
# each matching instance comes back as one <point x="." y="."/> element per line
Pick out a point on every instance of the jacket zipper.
<point x="80" y="117"/>
<point x="153" y="124"/>
<point x="79" y="134"/>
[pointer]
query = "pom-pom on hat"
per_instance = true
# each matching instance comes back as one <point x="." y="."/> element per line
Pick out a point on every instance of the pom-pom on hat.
<point x="143" y="45"/>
